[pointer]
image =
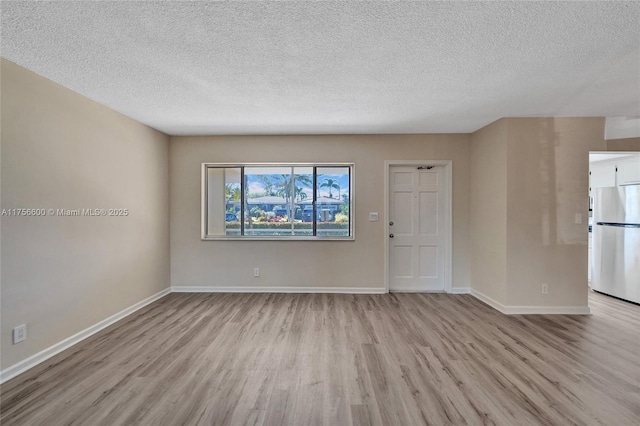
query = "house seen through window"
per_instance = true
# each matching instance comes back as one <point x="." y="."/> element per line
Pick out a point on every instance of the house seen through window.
<point x="278" y="201"/>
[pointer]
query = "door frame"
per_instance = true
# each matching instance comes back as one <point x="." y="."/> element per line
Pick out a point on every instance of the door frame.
<point x="448" y="181"/>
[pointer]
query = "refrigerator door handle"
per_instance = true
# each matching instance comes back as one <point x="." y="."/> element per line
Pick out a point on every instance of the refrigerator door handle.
<point x="620" y="225"/>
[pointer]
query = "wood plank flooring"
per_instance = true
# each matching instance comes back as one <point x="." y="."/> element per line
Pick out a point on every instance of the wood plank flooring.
<point x="323" y="359"/>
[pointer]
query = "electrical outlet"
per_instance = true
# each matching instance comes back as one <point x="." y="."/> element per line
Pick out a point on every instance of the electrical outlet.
<point x="373" y="217"/>
<point x="19" y="333"/>
<point x="578" y="218"/>
<point x="256" y="272"/>
<point x="544" y="288"/>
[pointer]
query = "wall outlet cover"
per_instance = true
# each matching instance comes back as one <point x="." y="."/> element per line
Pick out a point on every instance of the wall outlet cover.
<point x="19" y="333"/>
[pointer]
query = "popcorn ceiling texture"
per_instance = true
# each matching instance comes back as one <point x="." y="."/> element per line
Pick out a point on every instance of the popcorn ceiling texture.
<point x="190" y="68"/>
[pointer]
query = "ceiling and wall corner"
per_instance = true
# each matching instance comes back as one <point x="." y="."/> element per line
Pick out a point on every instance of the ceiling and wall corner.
<point x="211" y="68"/>
<point x="622" y="127"/>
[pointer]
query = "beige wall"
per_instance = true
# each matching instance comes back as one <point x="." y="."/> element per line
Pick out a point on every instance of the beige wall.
<point x="629" y="144"/>
<point x="358" y="263"/>
<point x="488" y="204"/>
<point x="548" y="180"/>
<point x="61" y="275"/>
<point x="529" y="179"/>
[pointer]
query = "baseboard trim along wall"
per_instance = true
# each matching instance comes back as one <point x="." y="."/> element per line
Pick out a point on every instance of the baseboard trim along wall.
<point x="531" y="310"/>
<point x="32" y="361"/>
<point x="488" y="300"/>
<point x="460" y="290"/>
<point x="347" y="290"/>
<point x="548" y="310"/>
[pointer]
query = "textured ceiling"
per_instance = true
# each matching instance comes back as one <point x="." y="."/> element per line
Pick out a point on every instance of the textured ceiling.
<point x="334" y="67"/>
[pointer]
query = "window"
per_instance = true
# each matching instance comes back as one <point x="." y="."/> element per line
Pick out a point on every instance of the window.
<point x="277" y="201"/>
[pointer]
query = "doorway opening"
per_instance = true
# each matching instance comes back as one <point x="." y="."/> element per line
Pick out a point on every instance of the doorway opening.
<point x="614" y="224"/>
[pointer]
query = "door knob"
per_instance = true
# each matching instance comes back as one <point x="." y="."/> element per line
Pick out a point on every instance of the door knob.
<point x="390" y="223"/>
<point x="390" y="235"/>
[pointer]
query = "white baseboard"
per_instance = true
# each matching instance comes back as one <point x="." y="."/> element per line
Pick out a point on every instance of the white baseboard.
<point x="460" y="290"/>
<point x="488" y="300"/>
<point x="529" y="310"/>
<point x="32" y="361"/>
<point x="548" y="310"/>
<point x="347" y="290"/>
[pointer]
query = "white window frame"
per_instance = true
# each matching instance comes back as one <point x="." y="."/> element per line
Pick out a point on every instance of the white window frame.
<point x="205" y="204"/>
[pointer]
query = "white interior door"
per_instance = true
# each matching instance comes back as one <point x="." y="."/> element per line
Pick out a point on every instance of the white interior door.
<point x="417" y="228"/>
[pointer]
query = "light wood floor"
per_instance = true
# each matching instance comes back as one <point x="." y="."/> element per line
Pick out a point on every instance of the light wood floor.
<point x="394" y="359"/>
